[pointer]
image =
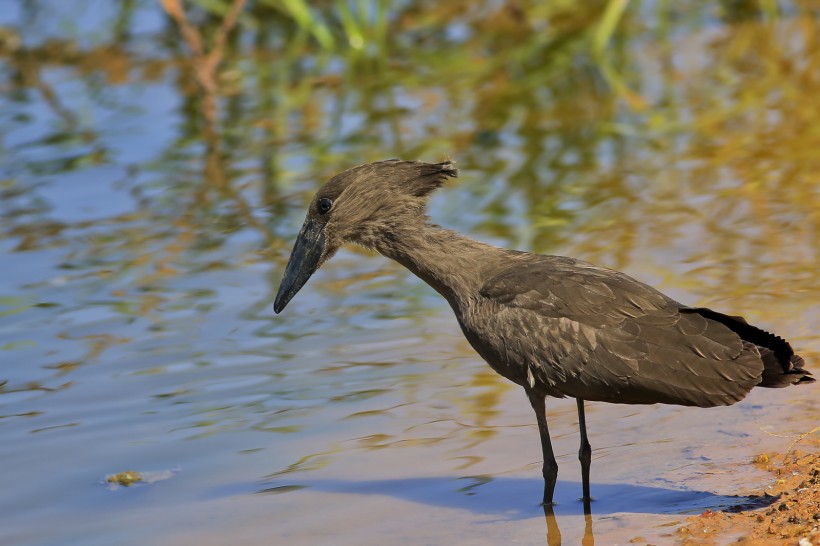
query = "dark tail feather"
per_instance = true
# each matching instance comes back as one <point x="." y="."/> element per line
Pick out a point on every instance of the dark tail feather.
<point x="781" y="367"/>
<point x="773" y="374"/>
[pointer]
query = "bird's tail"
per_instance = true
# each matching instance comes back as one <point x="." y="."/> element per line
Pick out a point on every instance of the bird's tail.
<point x="775" y="374"/>
<point x="781" y="367"/>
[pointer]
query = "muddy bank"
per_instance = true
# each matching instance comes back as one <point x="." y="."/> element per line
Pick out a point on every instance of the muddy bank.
<point x="786" y="513"/>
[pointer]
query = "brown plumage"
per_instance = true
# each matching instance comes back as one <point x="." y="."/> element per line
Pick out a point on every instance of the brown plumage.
<point x="556" y="326"/>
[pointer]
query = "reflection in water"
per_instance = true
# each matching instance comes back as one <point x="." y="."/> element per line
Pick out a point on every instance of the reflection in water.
<point x="588" y="539"/>
<point x="554" y="532"/>
<point x="502" y="500"/>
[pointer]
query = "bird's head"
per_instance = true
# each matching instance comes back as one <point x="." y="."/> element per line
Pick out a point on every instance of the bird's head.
<point x="359" y="205"/>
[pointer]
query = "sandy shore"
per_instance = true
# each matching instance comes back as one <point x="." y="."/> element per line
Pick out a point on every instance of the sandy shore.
<point x="786" y="513"/>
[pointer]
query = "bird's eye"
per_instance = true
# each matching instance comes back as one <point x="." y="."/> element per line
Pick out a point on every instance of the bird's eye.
<point x="324" y="205"/>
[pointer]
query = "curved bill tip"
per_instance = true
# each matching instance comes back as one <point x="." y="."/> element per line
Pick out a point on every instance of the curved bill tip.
<point x="280" y="303"/>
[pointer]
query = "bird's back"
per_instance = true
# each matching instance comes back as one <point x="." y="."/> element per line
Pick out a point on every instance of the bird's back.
<point x="570" y="328"/>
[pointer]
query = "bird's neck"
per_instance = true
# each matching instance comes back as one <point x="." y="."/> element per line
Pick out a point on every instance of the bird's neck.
<point x="448" y="261"/>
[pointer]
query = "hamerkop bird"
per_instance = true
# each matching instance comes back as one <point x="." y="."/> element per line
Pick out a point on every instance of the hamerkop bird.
<point x="556" y="326"/>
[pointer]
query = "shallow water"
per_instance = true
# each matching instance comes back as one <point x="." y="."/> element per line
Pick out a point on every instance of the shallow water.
<point x="141" y="257"/>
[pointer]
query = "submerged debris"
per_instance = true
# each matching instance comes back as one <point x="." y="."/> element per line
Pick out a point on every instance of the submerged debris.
<point x="126" y="479"/>
<point x="132" y="477"/>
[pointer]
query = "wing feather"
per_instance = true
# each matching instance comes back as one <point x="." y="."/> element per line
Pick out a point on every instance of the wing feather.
<point x="598" y="334"/>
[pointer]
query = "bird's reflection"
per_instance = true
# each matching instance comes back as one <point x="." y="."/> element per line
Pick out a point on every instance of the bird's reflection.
<point x="554" y="532"/>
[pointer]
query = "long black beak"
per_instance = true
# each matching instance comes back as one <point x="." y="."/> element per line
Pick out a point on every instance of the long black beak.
<point x="304" y="261"/>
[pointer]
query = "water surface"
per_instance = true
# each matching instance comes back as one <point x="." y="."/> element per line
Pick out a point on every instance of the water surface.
<point x="143" y="239"/>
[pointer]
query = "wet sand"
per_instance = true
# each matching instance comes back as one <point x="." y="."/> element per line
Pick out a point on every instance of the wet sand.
<point x="791" y="514"/>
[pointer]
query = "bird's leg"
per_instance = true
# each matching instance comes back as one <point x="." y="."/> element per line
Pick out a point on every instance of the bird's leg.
<point x="550" y="468"/>
<point x="585" y="453"/>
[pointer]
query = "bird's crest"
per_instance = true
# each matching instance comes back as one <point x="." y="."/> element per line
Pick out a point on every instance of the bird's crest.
<point x="424" y="178"/>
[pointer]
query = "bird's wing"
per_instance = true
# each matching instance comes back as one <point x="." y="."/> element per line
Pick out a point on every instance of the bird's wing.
<point x="597" y="334"/>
